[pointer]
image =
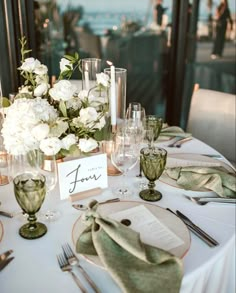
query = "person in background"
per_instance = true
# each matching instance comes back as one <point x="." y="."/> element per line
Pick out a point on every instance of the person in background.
<point x="158" y="12"/>
<point x="223" y="16"/>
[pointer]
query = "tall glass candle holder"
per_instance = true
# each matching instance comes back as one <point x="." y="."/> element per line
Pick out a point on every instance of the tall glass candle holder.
<point x="90" y="67"/>
<point x="118" y="96"/>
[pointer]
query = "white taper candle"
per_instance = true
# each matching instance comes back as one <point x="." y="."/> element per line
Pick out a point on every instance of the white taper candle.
<point x="113" y="96"/>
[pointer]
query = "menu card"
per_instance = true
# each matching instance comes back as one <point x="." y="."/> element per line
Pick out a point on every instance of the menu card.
<point x="152" y="230"/>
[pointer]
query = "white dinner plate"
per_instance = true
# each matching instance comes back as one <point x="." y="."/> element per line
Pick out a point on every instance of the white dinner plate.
<point x="187" y="160"/>
<point x="1" y="231"/>
<point x="164" y="216"/>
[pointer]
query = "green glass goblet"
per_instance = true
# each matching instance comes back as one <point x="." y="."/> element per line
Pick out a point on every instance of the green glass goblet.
<point x="30" y="192"/>
<point x="153" y="161"/>
<point x="152" y="122"/>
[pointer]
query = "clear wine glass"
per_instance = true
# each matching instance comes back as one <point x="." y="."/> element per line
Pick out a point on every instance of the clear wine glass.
<point x="124" y="156"/>
<point x="48" y="167"/>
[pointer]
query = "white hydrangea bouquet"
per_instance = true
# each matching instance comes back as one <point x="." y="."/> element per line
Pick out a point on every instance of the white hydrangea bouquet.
<point x="57" y="119"/>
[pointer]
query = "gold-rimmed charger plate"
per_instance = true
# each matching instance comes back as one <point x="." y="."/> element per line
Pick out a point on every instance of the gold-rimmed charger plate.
<point x="199" y="159"/>
<point x="164" y="216"/>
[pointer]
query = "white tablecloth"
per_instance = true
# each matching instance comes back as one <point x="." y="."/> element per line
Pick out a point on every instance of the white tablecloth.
<point x="35" y="267"/>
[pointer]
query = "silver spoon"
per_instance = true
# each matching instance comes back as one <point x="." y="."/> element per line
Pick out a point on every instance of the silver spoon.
<point x="83" y="207"/>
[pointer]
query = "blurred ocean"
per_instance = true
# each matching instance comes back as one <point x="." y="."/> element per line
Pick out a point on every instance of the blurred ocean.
<point x="106" y="14"/>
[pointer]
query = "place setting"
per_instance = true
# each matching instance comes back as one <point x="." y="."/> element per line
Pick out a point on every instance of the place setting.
<point x="200" y="174"/>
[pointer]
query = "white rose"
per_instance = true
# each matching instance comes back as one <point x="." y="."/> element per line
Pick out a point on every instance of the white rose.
<point x="87" y="145"/>
<point x="73" y="103"/>
<point x="59" y="128"/>
<point x="41" y="69"/>
<point x="30" y="64"/>
<point x="41" y="79"/>
<point x="63" y="90"/>
<point x="68" y="141"/>
<point x="88" y="115"/>
<point x="100" y="124"/>
<point x="103" y="79"/>
<point x="83" y="95"/>
<point x="50" y="146"/>
<point x="64" y="63"/>
<point x="41" y="90"/>
<point x="41" y="131"/>
<point x="97" y="101"/>
<point x="24" y="90"/>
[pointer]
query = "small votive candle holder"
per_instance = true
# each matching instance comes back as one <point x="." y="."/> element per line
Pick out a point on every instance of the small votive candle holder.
<point x="106" y="148"/>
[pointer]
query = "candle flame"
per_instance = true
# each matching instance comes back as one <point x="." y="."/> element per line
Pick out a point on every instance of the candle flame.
<point x="109" y="63"/>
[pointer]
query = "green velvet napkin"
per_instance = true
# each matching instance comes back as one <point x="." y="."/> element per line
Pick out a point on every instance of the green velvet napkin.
<point x="168" y="132"/>
<point x="212" y="178"/>
<point x="135" y="266"/>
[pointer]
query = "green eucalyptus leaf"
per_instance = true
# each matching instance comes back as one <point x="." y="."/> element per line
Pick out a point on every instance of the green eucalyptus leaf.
<point x="69" y="57"/>
<point x="76" y="56"/>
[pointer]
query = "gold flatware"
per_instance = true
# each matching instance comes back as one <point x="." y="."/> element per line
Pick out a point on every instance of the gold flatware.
<point x="5" y="262"/>
<point x="6" y="214"/>
<point x="5" y="254"/>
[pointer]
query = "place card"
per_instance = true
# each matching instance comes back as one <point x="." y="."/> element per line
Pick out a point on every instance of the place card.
<point x="152" y="231"/>
<point x="83" y="174"/>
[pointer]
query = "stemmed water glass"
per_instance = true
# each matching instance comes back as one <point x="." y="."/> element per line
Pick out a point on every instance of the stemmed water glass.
<point x="135" y="111"/>
<point x="48" y="167"/>
<point x="153" y="161"/>
<point x="135" y="115"/>
<point x="124" y="156"/>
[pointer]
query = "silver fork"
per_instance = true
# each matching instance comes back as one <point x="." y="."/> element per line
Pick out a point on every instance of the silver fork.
<point x="179" y="142"/>
<point x="205" y="200"/>
<point x="73" y="260"/>
<point x="66" y="267"/>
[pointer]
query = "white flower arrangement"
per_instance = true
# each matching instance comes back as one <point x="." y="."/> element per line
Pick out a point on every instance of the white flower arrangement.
<point x="55" y="119"/>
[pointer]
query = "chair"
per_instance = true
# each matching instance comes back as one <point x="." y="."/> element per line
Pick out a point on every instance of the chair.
<point x="90" y="44"/>
<point x="212" y="120"/>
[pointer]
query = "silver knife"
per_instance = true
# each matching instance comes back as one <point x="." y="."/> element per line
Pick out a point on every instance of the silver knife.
<point x="5" y="254"/>
<point x="5" y="262"/>
<point x="197" y="229"/>
<point x="6" y="214"/>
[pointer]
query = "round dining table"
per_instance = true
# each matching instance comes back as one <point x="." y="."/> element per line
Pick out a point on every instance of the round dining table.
<point x="35" y="267"/>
